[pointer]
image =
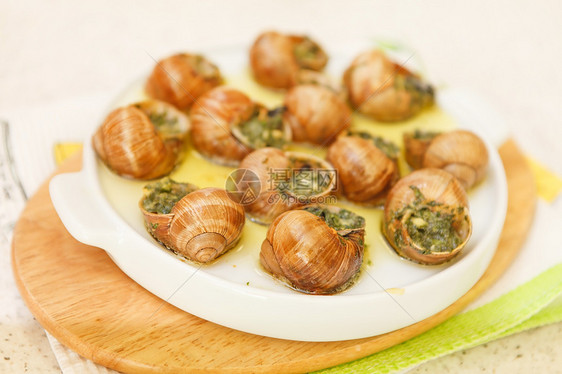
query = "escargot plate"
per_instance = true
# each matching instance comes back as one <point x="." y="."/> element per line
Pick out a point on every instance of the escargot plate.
<point x="101" y="209"/>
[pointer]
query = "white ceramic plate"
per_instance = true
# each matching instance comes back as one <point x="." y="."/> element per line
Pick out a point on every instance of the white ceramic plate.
<point x="100" y="209"/>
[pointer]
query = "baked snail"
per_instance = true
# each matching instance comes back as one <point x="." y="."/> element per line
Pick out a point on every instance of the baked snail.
<point x="319" y="78"/>
<point x="316" y="250"/>
<point x="277" y="59"/>
<point x="226" y="125"/>
<point x="459" y="152"/>
<point x="384" y="90"/>
<point x="367" y="166"/>
<point x="142" y="140"/>
<point x="288" y="180"/>
<point x="426" y="217"/>
<point x="197" y="224"/>
<point x="180" y="79"/>
<point x="315" y="114"/>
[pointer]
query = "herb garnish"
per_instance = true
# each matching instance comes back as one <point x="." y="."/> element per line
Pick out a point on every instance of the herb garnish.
<point x="162" y="195"/>
<point x="306" y="52"/>
<point x="424" y="135"/>
<point x="429" y="224"/>
<point x="421" y="93"/>
<point x="304" y="177"/>
<point x="264" y="128"/>
<point x="389" y="149"/>
<point x="341" y="220"/>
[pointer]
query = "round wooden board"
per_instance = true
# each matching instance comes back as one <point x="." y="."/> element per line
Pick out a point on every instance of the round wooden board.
<point x="83" y="299"/>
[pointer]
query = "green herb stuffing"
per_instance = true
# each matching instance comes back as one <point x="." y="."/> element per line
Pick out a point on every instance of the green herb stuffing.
<point x="305" y="177"/>
<point x="204" y="67"/>
<point x="306" y="51"/>
<point x="264" y="129"/>
<point x="390" y="149"/>
<point x="162" y="195"/>
<point x="429" y="224"/>
<point x="421" y="93"/>
<point x="424" y="135"/>
<point x="163" y="122"/>
<point x="342" y="220"/>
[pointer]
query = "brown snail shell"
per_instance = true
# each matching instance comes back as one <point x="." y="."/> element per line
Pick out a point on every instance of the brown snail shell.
<point x="316" y="114"/>
<point x="271" y="201"/>
<point x="130" y="143"/>
<point x="365" y="172"/>
<point x="202" y="226"/>
<point x="312" y="257"/>
<point x="215" y="121"/>
<point x="277" y="59"/>
<point x="461" y="153"/>
<point x="385" y="90"/>
<point x="415" y="146"/>
<point x="442" y="193"/>
<point x="180" y="79"/>
<point x="319" y="78"/>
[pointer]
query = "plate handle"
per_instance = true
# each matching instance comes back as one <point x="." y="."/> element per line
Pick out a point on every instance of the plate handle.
<point x="82" y="215"/>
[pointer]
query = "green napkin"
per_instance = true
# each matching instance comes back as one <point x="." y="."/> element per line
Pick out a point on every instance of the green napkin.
<point x="535" y="303"/>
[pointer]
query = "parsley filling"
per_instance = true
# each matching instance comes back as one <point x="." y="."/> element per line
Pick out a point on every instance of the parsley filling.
<point x="263" y="129"/>
<point x="305" y="177"/>
<point x="341" y="220"/>
<point x="161" y="196"/>
<point x="387" y="147"/>
<point x="429" y="224"/>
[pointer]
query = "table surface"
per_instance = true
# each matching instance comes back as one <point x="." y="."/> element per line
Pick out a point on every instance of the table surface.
<point x="506" y="51"/>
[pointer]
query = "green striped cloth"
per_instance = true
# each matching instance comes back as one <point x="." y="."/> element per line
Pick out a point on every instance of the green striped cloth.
<point x="535" y="303"/>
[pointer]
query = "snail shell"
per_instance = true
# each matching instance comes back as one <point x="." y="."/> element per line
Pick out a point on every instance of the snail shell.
<point x="442" y="193"/>
<point x="415" y="146"/>
<point x="216" y="120"/>
<point x="461" y="153"/>
<point x="272" y="166"/>
<point x="384" y="90"/>
<point x="180" y="79"/>
<point x="316" y="114"/>
<point x="366" y="173"/>
<point x="143" y="140"/>
<point x="318" y="78"/>
<point x="277" y="59"/>
<point x="312" y="257"/>
<point x="203" y="225"/>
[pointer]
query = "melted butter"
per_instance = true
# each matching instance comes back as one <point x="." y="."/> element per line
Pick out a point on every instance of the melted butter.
<point x="197" y="170"/>
<point x="245" y="83"/>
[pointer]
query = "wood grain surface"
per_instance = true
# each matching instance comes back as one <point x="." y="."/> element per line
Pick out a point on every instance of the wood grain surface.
<point x="82" y="298"/>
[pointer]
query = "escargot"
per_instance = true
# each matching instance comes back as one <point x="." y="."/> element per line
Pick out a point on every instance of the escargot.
<point x="367" y="166"/>
<point x="226" y="125"/>
<point x="277" y="59"/>
<point x="180" y="79"/>
<point x="197" y="224"/>
<point x="142" y="140"/>
<point x="315" y="114"/>
<point x="288" y="180"/>
<point x="317" y="249"/>
<point x="384" y="90"/>
<point x="426" y="217"/>
<point x="319" y="78"/>
<point x="459" y="152"/>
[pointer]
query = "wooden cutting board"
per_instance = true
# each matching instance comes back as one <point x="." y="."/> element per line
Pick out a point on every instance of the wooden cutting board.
<point x="82" y="298"/>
